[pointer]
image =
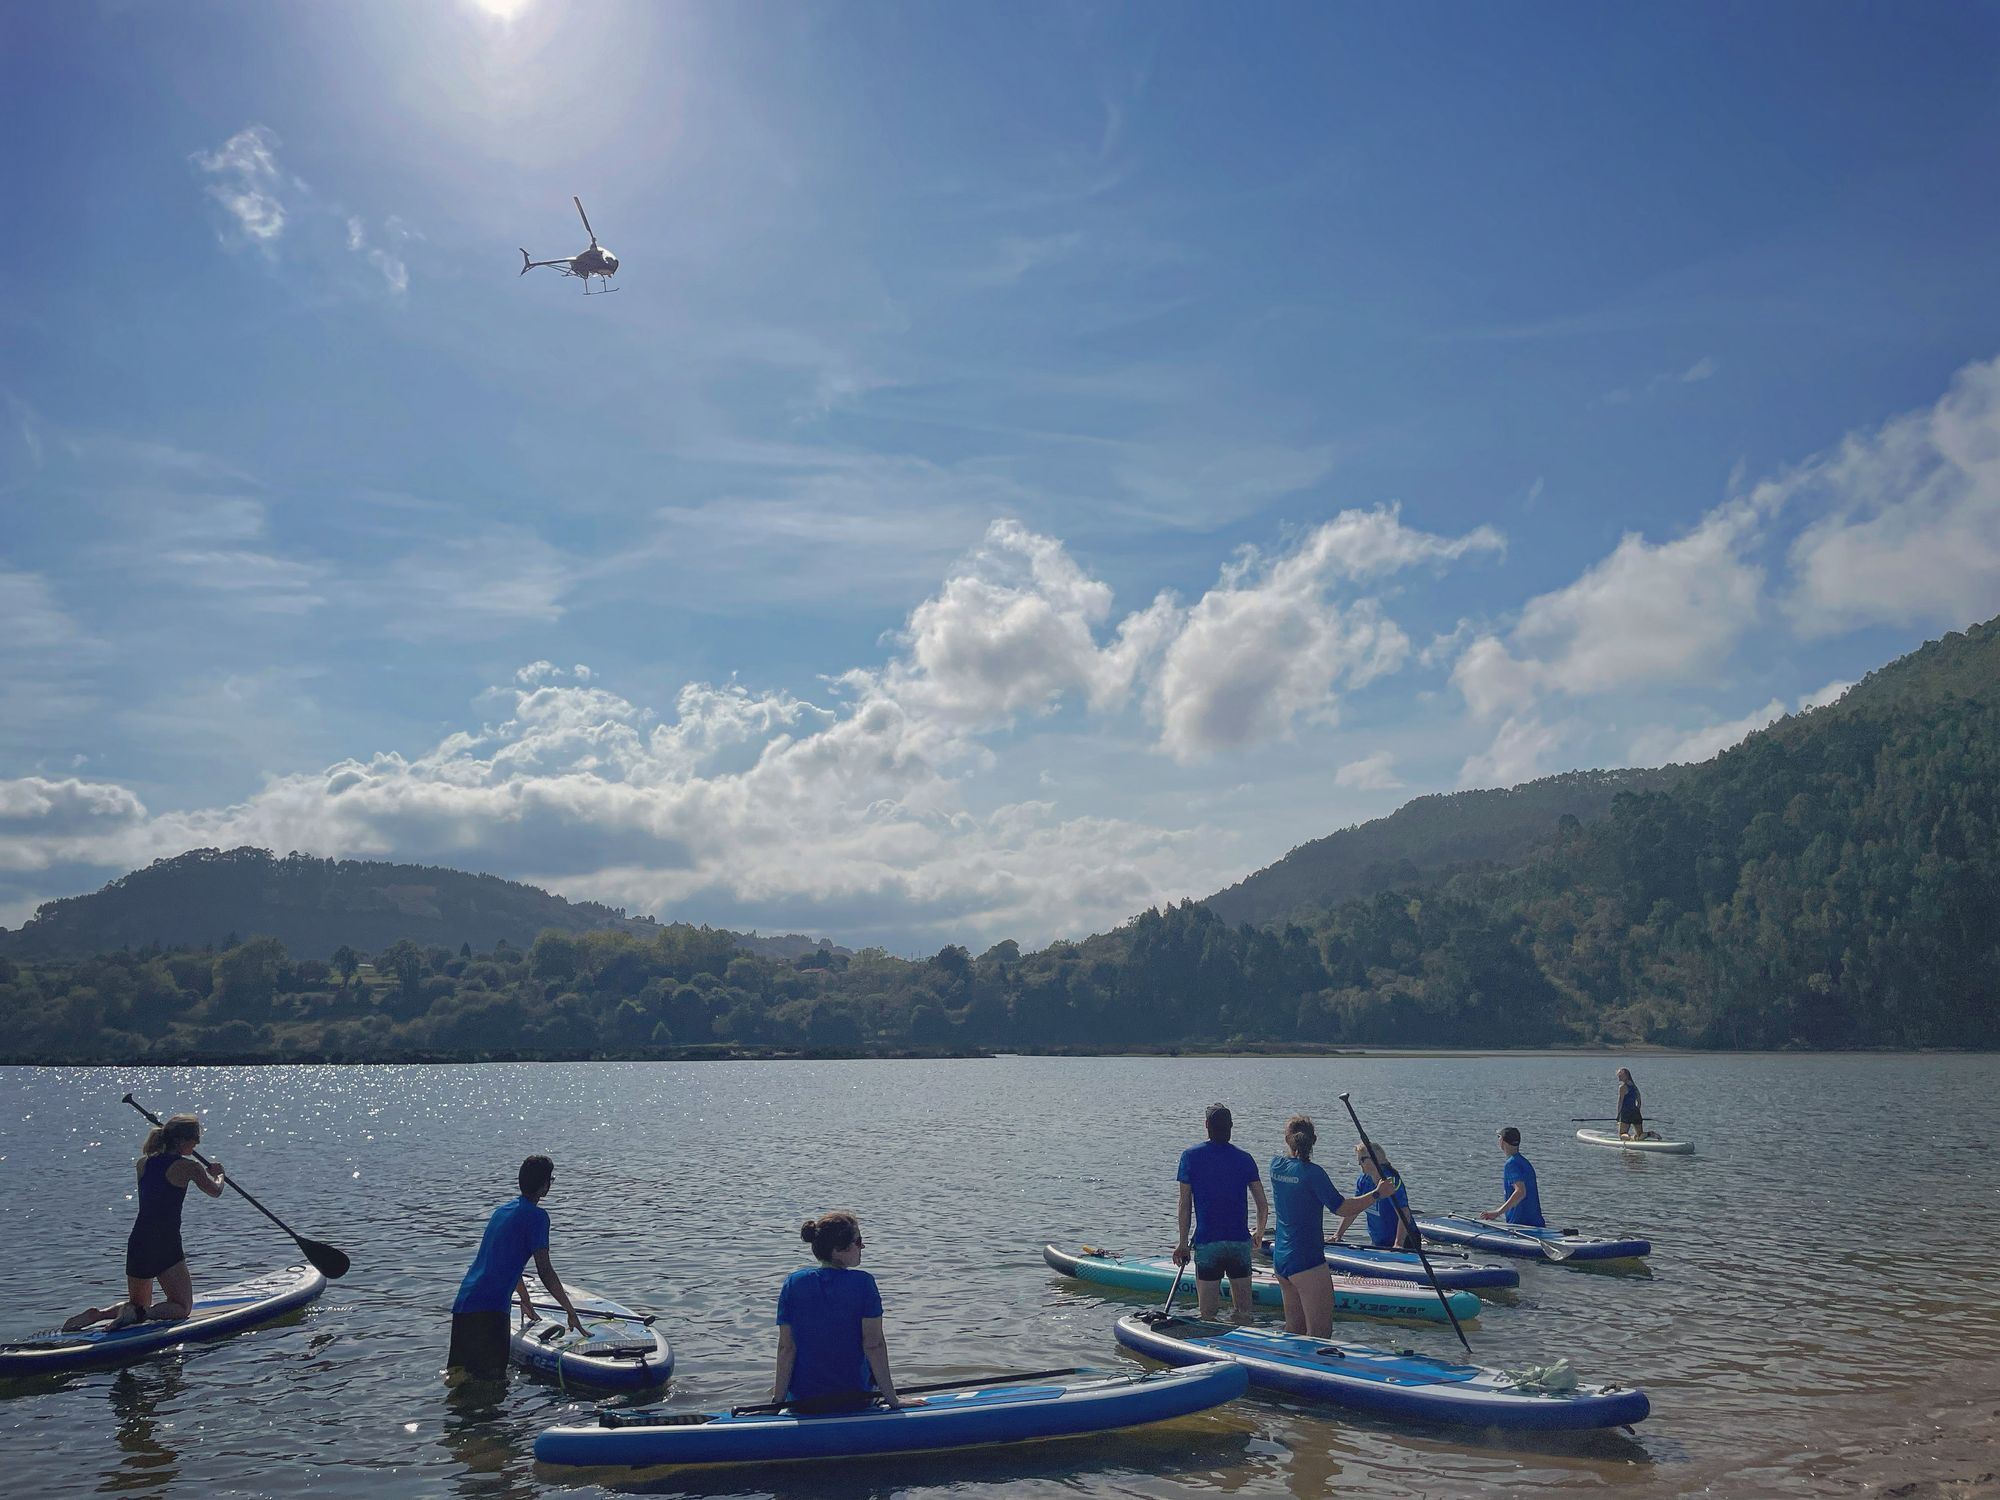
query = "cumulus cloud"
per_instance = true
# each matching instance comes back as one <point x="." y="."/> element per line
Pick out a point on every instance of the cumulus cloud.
<point x="1833" y="692"/>
<point x="1646" y="613"/>
<point x="1905" y="520"/>
<point x="1660" y="746"/>
<point x="1271" y="645"/>
<point x="1372" y="773"/>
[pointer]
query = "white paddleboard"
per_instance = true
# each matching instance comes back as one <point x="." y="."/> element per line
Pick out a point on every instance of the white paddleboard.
<point x="1650" y="1143"/>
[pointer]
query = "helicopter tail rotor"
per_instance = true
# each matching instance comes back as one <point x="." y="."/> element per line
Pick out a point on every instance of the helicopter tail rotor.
<point x="527" y="265"/>
<point x="586" y="220"/>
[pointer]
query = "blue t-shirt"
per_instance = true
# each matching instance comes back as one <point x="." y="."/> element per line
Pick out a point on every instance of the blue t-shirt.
<point x="1383" y="1220"/>
<point x="516" y="1231"/>
<point x="1529" y="1210"/>
<point x="1300" y="1193"/>
<point x="824" y="1306"/>
<point x="1220" y="1175"/>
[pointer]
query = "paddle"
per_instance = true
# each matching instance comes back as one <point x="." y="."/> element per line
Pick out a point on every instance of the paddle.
<point x="1409" y="1224"/>
<point x="1548" y="1248"/>
<point x="1015" y="1378"/>
<point x="328" y="1261"/>
<point x="1608" y="1120"/>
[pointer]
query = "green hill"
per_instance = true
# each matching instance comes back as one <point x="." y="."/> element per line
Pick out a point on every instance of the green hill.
<point x="1424" y="840"/>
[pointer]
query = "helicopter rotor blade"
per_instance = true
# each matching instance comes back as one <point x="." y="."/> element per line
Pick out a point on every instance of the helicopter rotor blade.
<point x="586" y="220"/>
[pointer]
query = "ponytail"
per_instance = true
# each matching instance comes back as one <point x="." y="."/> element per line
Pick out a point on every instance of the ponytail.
<point x="168" y="1135"/>
<point x="1301" y="1137"/>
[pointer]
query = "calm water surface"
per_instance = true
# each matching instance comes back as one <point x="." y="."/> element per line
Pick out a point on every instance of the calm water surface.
<point x="1821" y="1294"/>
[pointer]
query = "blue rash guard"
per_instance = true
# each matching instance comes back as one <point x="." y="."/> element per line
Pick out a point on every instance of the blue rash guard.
<point x="1529" y="1210"/>
<point x="1382" y="1218"/>
<point x="825" y="1305"/>
<point x="1220" y="1176"/>
<point x="516" y="1231"/>
<point x="1300" y="1193"/>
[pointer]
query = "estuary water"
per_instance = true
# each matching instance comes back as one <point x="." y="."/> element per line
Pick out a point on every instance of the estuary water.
<point x="1819" y="1316"/>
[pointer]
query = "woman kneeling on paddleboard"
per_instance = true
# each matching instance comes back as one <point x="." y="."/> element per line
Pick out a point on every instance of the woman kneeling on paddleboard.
<point x="832" y="1355"/>
<point x="1300" y="1192"/>
<point x="153" y="1250"/>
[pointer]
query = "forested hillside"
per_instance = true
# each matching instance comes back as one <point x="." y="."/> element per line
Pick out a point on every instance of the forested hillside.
<point x="1831" y="882"/>
<point x="1424" y="840"/>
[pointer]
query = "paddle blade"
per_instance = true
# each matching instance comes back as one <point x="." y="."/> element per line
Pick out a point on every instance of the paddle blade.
<point x="329" y="1262"/>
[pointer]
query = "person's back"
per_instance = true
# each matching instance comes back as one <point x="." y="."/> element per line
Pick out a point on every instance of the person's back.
<point x="1301" y="1193"/>
<point x="1220" y="1175"/>
<point x="1520" y="1172"/>
<point x="517" y="1229"/>
<point x="825" y="1306"/>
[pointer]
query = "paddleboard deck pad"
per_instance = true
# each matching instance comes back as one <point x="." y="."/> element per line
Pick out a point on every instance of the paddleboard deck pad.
<point x="1360" y="1296"/>
<point x="1652" y="1143"/>
<point x="974" y="1417"/>
<point x="620" y="1350"/>
<point x="217" y="1313"/>
<point x="1525" y="1242"/>
<point x="1384" y="1382"/>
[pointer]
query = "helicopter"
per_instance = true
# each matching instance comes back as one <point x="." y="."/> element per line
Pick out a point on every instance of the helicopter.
<point x="596" y="261"/>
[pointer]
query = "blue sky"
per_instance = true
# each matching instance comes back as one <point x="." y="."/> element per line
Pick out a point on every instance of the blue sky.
<point x="1040" y="460"/>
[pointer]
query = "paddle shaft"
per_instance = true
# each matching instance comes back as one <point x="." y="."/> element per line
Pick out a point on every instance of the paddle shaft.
<point x="1610" y="1120"/>
<point x="308" y="1247"/>
<point x="1549" y="1248"/>
<point x="1409" y="1223"/>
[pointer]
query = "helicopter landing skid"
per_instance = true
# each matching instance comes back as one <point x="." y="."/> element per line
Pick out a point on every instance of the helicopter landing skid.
<point x="599" y="292"/>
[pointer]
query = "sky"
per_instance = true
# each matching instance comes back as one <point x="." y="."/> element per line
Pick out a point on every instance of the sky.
<point x="1040" y="461"/>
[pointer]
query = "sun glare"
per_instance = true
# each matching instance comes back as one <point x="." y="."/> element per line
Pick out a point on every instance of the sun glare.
<point x="502" y="10"/>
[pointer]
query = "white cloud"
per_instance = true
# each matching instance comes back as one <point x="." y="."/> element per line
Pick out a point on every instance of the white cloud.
<point x="1372" y="773"/>
<point x="1519" y="752"/>
<point x="1646" y="613"/>
<point x="1269" y="645"/>
<point x="1833" y="692"/>
<point x="1905" y="520"/>
<point x="1662" y="746"/>
<point x="247" y="182"/>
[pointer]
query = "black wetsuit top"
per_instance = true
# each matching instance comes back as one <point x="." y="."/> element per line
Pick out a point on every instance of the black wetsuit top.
<point x="155" y="1242"/>
<point x="1628" y="1104"/>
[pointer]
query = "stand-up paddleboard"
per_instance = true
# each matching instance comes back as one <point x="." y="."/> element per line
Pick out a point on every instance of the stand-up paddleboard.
<point x="1403" y="1265"/>
<point x="619" y="1350"/>
<point x="1362" y="1296"/>
<point x="1520" y="1240"/>
<point x="1652" y="1142"/>
<point x="1390" y="1383"/>
<point x="216" y="1314"/>
<point x="974" y="1417"/>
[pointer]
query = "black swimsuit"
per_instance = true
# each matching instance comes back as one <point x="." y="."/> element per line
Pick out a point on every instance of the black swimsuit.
<point x="155" y="1242"/>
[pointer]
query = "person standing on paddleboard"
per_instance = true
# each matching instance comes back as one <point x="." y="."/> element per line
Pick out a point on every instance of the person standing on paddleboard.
<point x="153" y="1250"/>
<point x="1630" y="1117"/>
<point x="832" y="1353"/>
<point x="1301" y="1192"/>
<point x="1387" y="1229"/>
<point x="1214" y="1177"/>
<point x="1523" y="1204"/>
<point x="518" y="1229"/>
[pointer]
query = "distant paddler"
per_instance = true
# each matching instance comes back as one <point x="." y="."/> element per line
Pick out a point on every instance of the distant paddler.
<point x="1631" y="1119"/>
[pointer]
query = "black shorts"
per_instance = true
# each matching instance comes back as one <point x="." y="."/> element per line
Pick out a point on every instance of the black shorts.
<point x="1637" y="1120"/>
<point x="148" y="1254"/>
<point x="479" y="1344"/>
<point x="1220" y="1258"/>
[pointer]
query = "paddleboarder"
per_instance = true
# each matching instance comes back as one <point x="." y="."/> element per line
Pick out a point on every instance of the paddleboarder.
<point x="1302" y="1192"/>
<point x="1631" y="1120"/>
<point x="518" y="1229"/>
<point x="153" y="1250"/>
<point x="1387" y="1228"/>
<point x="1523" y="1204"/>
<point x="832" y="1354"/>
<point x="1214" y="1178"/>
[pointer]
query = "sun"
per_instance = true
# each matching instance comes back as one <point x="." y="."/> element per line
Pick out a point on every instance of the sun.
<point x="501" y="10"/>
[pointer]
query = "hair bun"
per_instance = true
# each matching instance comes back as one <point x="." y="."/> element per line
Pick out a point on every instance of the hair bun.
<point x="808" y="1230"/>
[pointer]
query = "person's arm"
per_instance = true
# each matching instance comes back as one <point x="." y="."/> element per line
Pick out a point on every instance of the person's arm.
<point x="1347" y="1210"/>
<point x="545" y="1268"/>
<point x="527" y="1302"/>
<point x="1263" y="1209"/>
<point x="1186" y="1219"/>
<point x="875" y="1344"/>
<point x="788" y="1353"/>
<point x="187" y="1170"/>
<point x="1520" y="1188"/>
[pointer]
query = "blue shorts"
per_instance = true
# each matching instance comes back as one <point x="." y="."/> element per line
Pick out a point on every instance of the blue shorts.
<point x="1219" y="1258"/>
<point x="1302" y="1260"/>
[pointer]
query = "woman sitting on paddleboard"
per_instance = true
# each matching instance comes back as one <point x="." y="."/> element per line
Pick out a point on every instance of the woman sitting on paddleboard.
<point x="1300" y="1192"/>
<point x="831" y="1352"/>
<point x="153" y="1250"/>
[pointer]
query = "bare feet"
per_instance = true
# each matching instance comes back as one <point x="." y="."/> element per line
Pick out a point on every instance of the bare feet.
<point x="85" y="1318"/>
